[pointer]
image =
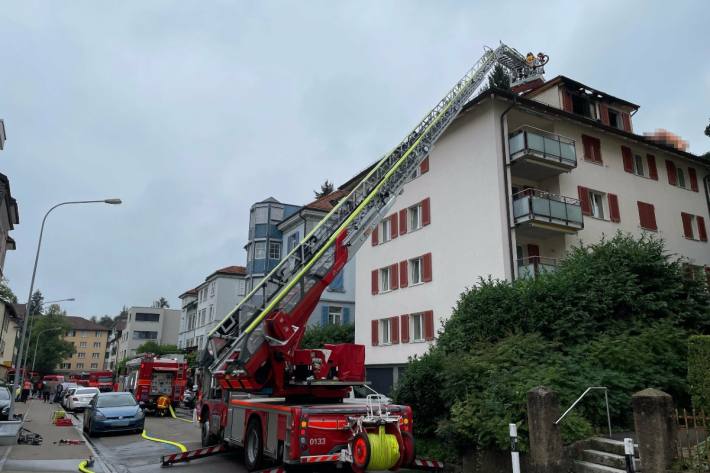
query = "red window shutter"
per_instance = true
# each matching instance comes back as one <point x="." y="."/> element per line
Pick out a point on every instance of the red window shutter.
<point x="566" y="101"/>
<point x="687" y="224"/>
<point x="584" y="200"/>
<point x="670" y="168"/>
<point x="375" y="281"/>
<point x="394" y="276"/>
<point x="404" y="319"/>
<point x="394" y="329"/>
<point x="375" y="326"/>
<point x="604" y="113"/>
<point x="652" y="171"/>
<point x="403" y="274"/>
<point x="403" y="221"/>
<point x="647" y="216"/>
<point x="702" y="231"/>
<point x="614" y="213"/>
<point x="693" y="179"/>
<point x="375" y="236"/>
<point x="429" y="325"/>
<point x="592" y="148"/>
<point x="626" y="120"/>
<point x="586" y="145"/>
<point x="426" y="212"/>
<point x="628" y="158"/>
<point x="597" y="149"/>
<point x="426" y="268"/>
<point x="394" y="229"/>
<point x="424" y="166"/>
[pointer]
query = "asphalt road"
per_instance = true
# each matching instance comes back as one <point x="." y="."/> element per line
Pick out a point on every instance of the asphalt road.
<point x="123" y="453"/>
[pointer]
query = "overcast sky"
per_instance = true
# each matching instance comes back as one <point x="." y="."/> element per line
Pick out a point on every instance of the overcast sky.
<point x="192" y="111"/>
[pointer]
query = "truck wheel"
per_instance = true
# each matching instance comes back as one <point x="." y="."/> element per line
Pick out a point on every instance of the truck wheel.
<point x="207" y="438"/>
<point x="253" y="446"/>
<point x="362" y="450"/>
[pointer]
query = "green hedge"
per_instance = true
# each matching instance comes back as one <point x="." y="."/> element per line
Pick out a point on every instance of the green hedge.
<point x="699" y="371"/>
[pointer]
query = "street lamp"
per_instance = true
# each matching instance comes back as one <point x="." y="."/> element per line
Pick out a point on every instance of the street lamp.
<point x="34" y="357"/>
<point x="19" y="375"/>
<point x="29" y="331"/>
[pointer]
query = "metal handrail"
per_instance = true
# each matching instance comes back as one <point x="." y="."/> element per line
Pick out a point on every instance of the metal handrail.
<point x="540" y="131"/>
<point x="606" y="400"/>
<point x="543" y="194"/>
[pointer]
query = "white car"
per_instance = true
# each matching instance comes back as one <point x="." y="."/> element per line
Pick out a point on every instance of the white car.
<point x="80" y="398"/>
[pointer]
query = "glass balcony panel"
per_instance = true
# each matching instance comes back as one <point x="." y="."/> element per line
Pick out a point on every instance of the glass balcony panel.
<point x="541" y="206"/>
<point x="567" y="152"/>
<point x="558" y="210"/>
<point x="521" y="207"/>
<point x="517" y="142"/>
<point x="536" y="142"/>
<point x="552" y="146"/>
<point x="545" y="145"/>
<point x="574" y="213"/>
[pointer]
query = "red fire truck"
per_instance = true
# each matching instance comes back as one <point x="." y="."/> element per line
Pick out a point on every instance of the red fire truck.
<point x="103" y="380"/>
<point x="260" y="391"/>
<point x="150" y="378"/>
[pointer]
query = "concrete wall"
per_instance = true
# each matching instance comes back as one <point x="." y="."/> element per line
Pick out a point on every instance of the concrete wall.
<point x="167" y="329"/>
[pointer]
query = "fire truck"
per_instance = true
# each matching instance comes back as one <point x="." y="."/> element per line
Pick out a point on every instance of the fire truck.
<point x="103" y="380"/>
<point x="154" y="381"/>
<point x="285" y="404"/>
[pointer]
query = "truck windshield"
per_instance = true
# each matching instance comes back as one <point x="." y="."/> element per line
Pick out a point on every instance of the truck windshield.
<point x="116" y="400"/>
<point x="105" y="380"/>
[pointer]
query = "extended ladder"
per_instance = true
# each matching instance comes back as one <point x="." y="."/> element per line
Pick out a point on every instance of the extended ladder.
<point x="352" y="218"/>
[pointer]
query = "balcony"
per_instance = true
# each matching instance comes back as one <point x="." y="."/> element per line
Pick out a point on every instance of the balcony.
<point x="534" y="266"/>
<point x="538" y="155"/>
<point x="538" y="213"/>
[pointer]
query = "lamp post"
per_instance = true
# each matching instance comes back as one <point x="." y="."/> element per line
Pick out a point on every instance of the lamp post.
<point x="29" y="330"/>
<point x="34" y="357"/>
<point x="19" y="375"/>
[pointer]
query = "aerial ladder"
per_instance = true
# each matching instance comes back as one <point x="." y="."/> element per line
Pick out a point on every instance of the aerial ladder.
<point x="254" y="350"/>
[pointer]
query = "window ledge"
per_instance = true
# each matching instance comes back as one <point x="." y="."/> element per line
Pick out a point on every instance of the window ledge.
<point x="598" y="163"/>
<point x="417" y="284"/>
<point x="648" y="229"/>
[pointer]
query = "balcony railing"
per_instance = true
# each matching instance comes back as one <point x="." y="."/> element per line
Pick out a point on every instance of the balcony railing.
<point x="533" y="266"/>
<point x="547" y="153"/>
<point x="538" y="206"/>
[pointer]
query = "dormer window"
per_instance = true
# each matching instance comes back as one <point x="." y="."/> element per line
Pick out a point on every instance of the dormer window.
<point x="581" y="105"/>
<point x="614" y="119"/>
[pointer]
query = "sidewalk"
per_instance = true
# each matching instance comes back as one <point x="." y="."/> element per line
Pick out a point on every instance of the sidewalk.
<point x="50" y="455"/>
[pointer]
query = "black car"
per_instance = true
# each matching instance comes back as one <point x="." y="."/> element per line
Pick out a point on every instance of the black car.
<point x="4" y="402"/>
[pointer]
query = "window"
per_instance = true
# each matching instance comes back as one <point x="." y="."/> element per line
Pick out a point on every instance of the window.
<point x="66" y="366"/>
<point x="415" y="217"/>
<point x="274" y="250"/>
<point x="94" y="365"/>
<point x="292" y="241"/>
<point x="597" y="201"/>
<point x="97" y="344"/>
<point x="83" y="333"/>
<point x="615" y="119"/>
<point x="335" y="315"/>
<point x="82" y="345"/>
<point x="385" y="331"/>
<point x="260" y="250"/>
<point x="384" y="279"/>
<point x="582" y="106"/>
<point x="94" y="355"/>
<point x="681" y="177"/>
<point x="211" y="312"/>
<point x="144" y="335"/>
<point x="638" y="165"/>
<point x="241" y="287"/>
<point x="415" y="268"/>
<point x="261" y="215"/>
<point x="386" y="232"/>
<point x="647" y="216"/>
<point x="80" y="366"/>
<point x="81" y="354"/>
<point x="694" y="227"/>
<point x="71" y="333"/>
<point x="417" y="172"/>
<point x="144" y="317"/>
<point x="592" y="149"/>
<point x="338" y="284"/>
<point x="417" y="324"/>
<point x="212" y="284"/>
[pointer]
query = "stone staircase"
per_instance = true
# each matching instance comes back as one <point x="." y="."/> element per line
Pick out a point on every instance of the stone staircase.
<point x="604" y="455"/>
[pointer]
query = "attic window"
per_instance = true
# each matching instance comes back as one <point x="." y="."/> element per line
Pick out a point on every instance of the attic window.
<point x="582" y="106"/>
<point x="614" y="119"/>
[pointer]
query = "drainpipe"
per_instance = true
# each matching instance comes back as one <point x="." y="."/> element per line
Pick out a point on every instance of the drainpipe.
<point x="504" y="147"/>
<point x="706" y="180"/>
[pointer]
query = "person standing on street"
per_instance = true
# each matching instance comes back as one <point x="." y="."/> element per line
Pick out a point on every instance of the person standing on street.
<point x="45" y="392"/>
<point x="26" y="388"/>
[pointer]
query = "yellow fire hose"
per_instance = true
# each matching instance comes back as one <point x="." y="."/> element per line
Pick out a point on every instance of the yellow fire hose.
<point x="385" y="450"/>
<point x="172" y="414"/>
<point x="83" y="467"/>
<point x="169" y="442"/>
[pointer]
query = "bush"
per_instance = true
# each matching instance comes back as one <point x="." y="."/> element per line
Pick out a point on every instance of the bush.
<point x="614" y="314"/>
<point x="699" y="371"/>
<point x="317" y="336"/>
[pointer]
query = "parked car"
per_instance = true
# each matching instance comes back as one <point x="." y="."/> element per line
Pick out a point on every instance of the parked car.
<point x="4" y="402"/>
<point x="80" y="398"/>
<point x="113" y="412"/>
<point x="65" y="395"/>
<point x="62" y="389"/>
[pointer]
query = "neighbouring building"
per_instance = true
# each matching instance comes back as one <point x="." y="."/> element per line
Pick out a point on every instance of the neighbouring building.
<point x="147" y="324"/>
<point x="207" y="304"/>
<point x="513" y="183"/>
<point x="9" y="214"/>
<point x="114" y="341"/>
<point x="90" y="340"/>
<point x="11" y="316"/>
<point x="337" y="303"/>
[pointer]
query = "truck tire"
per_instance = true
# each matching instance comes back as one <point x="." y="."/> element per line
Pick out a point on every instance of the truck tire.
<point x="208" y="439"/>
<point x="253" y="446"/>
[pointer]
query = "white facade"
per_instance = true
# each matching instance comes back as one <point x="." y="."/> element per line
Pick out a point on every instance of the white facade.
<point x="469" y="190"/>
<point x="219" y="294"/>
<point x="145" y="324"/>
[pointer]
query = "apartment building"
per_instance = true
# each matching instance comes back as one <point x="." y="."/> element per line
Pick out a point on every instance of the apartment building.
<point x="515" y="181"/>
<point x="11" y="316"/>
<point x="337" y="303"/>
<point x="9" y="214"/>
<point x="148" y="324"/>
<point x="90" y="341"/>
<point x="209" y="303"/>
<point x="114" y="341"/>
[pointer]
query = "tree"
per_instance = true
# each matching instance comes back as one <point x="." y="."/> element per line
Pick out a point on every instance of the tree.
<point x="106" y="321"/>
<point x="317" y="336"/>
<point x="6" y="293"/>
<point x="157" y="348"/>
<point x="161" y="303"/>
<point x="51" y="349"/>
<point x="36" y="303"/>
<point x="56" y="309"/>
<point x="325" y="189"/>
<point x="499" y="78"/>
<point x="707" y="130"/>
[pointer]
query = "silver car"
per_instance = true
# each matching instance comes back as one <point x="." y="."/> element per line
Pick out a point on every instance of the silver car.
<point x="80" y="398"/>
